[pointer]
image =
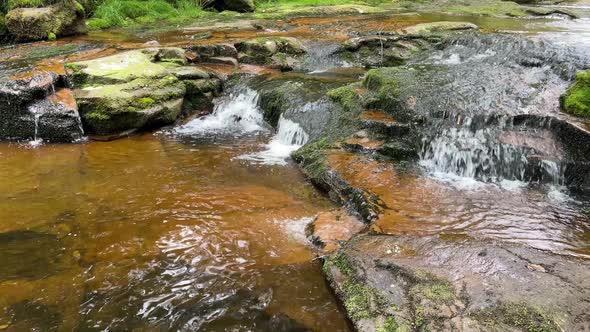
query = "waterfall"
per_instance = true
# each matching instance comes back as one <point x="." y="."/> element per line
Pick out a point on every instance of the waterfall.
<point x="290" y="137"/>
<point x="36" y="139"/>
<point x="480" y="154"/>
<point x="236" y="113"/>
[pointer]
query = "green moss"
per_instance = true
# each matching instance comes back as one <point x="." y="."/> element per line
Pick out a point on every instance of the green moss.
<point x="358" y="300"/>
<point x="98" y="115"/>
<point x="98" y="23"/>
<point x="576" y="100"/>
<point x="3" y="30"/>
<point x="436" y="290"/>
<point x="51" y="51"/>
<point x="145" y="102"/>
<point x="312" y="160"/>
<point x="518" y="315"/>
<point x="51" y="36"/>
<point x="347" y="97"/>
<point x="390" y="325"/>
<point x="80" y="9"/>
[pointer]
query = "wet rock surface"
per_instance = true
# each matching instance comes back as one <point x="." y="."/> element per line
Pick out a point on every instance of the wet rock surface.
<point x="399" y="283"/>
<point x="35" y="105"/>
<point x="330" y="229"/>
<point x="140" y="90"/>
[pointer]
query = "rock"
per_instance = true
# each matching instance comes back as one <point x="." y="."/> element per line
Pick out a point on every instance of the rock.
<point x="139" y="104"/>
<point x="241" y="6"/>
<point x="261" y="50"/>
<point x="118" y="68"/>
<point x="223" y="61"/>
<point x="437" y="284"/>
<point x="29" y="107"/>
<point x="61" y="19"/>
<point x="438" y="27"/>
<point x="384" y="50"/>
<point x="206" y="51"/>
<point x="151" y="43"/>
<point x="329" y="229"/>
<point x="57" y="117"/>
<point x="189" y="73"/>
<point x="138" y="90"/>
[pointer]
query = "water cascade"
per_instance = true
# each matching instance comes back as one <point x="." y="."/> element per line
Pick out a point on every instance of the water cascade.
<point x="236" y="113"/>
<point x="290" y="137"/>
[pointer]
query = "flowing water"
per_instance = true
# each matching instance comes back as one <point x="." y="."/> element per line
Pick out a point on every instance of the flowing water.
<point x="201" y="226"/>
<point x="154" y="232"/>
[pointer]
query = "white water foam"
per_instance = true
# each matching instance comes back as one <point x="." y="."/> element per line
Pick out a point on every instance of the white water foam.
<point x="290" y="137"/>
<point x="234" y="114"/>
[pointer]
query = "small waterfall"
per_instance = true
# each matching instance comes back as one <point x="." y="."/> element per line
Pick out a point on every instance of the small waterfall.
<point x="469" y="153"/>
<point x="237" y="113"/>
<point x="290" y="137"/>
<point x="36" y="139"/>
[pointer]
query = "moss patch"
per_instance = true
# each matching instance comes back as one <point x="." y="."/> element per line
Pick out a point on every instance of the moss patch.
<point x="312" y="159"/>
<point x="347" y="96"/>
<point x="390" y="325"/>
<point x="518" y="315"/>
<point x="576" y="100"/>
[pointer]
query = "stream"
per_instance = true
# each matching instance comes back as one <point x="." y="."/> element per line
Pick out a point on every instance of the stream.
<point x="201" y="225"/>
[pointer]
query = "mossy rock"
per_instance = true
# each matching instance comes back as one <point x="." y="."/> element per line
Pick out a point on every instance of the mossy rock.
<point x="61" y="19"/>
<point x="347" y="96"/>
<point x="576" y="100"/>
<point x="139" y="104"/>
<point x="123" y="67"/>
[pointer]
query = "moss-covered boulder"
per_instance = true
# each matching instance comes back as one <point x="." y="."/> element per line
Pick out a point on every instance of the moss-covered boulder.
<point x="140" y="89"/>
<point x="576" y="100"/>
<point x="139" y="104"/>
<point x="404" y="283"/>
<point x="62" y="19"/>
<point x="279" y="52"/>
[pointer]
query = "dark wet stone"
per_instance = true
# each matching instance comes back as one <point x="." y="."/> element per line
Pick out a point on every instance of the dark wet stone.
<point x="241" y="6"/>
<point x="436" y="284"/>
<point x="206" y="51"/>
<point x="30" y="255"/>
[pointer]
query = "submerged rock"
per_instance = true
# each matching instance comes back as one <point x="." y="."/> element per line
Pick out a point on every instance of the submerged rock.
<point x="278" y="52"/>
<point x="62" y="19"/>
<point x="329" y="229"/>
<point x="140" y="89"/>
<point x="436" y="284"/>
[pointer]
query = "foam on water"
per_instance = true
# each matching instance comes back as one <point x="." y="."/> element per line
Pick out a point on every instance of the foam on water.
<point x="236" y="113"/>
<point x="290" y="137"/>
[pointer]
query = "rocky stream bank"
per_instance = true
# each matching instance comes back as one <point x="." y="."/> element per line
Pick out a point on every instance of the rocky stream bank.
<point x="391" y="125"/>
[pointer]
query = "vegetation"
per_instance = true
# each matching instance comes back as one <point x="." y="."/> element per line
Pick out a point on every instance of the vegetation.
<point x="576" y="100"/>
<point x="125" y="13"/>
<point x="518" y="315"/>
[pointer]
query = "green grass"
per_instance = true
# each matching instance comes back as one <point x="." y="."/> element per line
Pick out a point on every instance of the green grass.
<point x="129" y="13"/>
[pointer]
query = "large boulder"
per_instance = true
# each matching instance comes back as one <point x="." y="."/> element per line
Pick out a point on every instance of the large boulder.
<point x="139" y="89"/>
<point x="407" y="283"/>
<point x="241" y="6"/>
<point x="63" y="19"/>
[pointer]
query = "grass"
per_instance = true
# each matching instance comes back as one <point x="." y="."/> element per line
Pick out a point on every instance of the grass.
<point x="129" y="13"/>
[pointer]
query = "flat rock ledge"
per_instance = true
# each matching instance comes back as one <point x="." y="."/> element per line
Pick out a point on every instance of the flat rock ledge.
<point x="450" y="283"/>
